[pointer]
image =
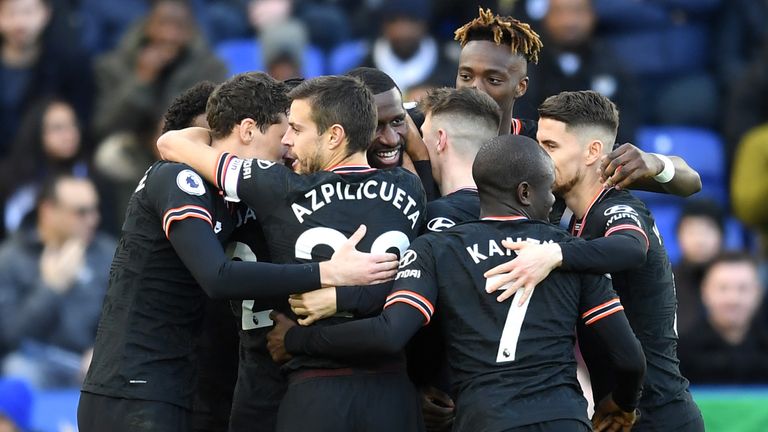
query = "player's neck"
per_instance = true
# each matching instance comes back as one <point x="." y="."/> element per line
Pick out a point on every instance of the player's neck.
<point x="230" y="144"/>
<point x="500" y="209"/>
<point x="340" y="159"/>
<point x="583" y="193"/>
<point x="505" y="127"/>
<point x="455" y="176"/>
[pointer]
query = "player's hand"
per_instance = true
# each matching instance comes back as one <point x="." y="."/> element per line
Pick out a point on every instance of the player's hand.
<point x="348" y="266"/>
<point x="609" y="417"/>
<point x="59" y="266"/>
<point x="314" y="305"/>
<point x="438" y="410"/>
<point x="533" y="264"/>
<point x="626" y="165"/>
<point x="276" y="337"/>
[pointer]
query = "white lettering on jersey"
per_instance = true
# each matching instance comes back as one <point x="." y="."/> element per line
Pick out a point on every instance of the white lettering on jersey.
<point x="495" y="247"/>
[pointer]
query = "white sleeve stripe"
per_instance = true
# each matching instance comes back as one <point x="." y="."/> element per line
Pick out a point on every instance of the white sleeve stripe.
<point x="232" y="178"/>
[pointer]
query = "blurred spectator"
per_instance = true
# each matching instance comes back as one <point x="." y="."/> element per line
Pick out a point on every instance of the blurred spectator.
<point x="282" y="49"/>
<point x="749" y="184"/>
<point x="728" y="346"/>
<point x="741" y="31"/>
<point x="53" y="276"/>
<point x="405" y="51"/>
<point x="700" y="232"/>
<point x="668" y="45"/>
<point x="574" y="60"/>
<point x="122" y="159"/>
<point x="15" y="405"/>
<point x="748" y="104"/>
<point x="48" y="143"/>
<point x="157" y="59"/>
<point x="36" y="62"/>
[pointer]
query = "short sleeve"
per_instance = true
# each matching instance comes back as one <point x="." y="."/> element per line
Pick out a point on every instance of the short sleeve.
<point x="598" y="299"/>
<point x="415" y="284"/>
<point x="254" y="181"/>
<point x="621" y="218"/>
<point x="177" y="193"/>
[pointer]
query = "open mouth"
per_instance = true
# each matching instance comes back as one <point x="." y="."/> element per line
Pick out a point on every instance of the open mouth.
<point x="290" y="160"/>
<point x="389" y="156"/>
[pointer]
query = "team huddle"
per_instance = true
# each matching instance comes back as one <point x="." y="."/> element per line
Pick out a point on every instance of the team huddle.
<point x="312" y="259"/>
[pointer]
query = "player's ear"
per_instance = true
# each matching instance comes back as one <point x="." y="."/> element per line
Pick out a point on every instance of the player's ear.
<point x="246" y="130"/>
<point x="336" y="136"/>
<point x="521" y="88"/>
<point x="442" y="140"/>
<point x="594" y="151"/>
<point x="524" y="193"/>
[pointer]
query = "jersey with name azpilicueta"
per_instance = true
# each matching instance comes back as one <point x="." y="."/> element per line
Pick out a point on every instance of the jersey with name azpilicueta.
<point x="153" y="308"/>
<point x="510" y="365"/>
<point x="306" y="217"/>
<point x="647" y="292"/>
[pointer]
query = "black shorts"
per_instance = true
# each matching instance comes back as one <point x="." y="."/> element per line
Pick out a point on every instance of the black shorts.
<point x="259" y="390"/>
<point x="97" y="413"/>
<point x="565" y="425"/>
<point x="371" y="402"/>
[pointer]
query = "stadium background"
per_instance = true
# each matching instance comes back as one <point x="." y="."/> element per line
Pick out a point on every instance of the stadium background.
<point x="690" y="78"/>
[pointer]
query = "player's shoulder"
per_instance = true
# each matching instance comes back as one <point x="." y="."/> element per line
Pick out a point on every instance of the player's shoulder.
<point x="619" y="201"/>
<point x="164" y="175"/>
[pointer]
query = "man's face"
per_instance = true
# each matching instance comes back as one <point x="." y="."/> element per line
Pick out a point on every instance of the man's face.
<point x="61" y="134"/>
<point x="569" y="22"/>
<point x="542" y="198"/>
<point x="566" y="151"/>
<point x="303" y="141"/>
<point x="494" y="70"/>
<point x="269" y="146"/>
<point x="170" y="26"/>
<point x="22" y="21"/>
<point x="386" y="150"/>
<point x="731" y="293"/>
<point x="404" y="36"/>
<point x="700" y="239"/>
<point x="76" y="209"/>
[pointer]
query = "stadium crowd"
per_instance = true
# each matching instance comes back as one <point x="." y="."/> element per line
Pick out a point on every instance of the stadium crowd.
<point x="89" y="86"/>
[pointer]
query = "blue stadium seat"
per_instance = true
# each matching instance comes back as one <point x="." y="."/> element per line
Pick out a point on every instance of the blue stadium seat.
<point x="346" y="56"/>
<point x="666" y="216"/>
<point x="54" y="410"/>
<point x="701" y="148"/>
<point x="244" y="55"/>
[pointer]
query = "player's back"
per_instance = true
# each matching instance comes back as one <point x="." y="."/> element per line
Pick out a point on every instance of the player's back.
<point x="153" y="307"/>
<point x="510" y="365"/>
<point x="459" y="206"/>
<point x="305" y="217"/>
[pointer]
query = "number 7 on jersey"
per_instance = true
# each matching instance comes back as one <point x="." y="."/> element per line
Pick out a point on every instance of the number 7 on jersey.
<point x="512" y="326"/>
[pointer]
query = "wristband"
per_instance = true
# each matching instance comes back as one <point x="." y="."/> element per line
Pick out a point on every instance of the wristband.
<point x="668" y="173"/>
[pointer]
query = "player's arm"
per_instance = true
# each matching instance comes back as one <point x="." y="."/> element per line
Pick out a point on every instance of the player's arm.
<point x="191" y="146"/>
<point x="603" y="314"/>
<point x="624" y="246"/>
<point x="649" y="172"/>
<point x="326" y="302"/>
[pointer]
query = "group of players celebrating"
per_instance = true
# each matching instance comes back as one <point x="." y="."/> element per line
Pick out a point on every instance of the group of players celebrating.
<point x="436" y="326"/>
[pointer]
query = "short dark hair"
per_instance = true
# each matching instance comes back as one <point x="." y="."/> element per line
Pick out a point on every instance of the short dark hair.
<point x="342" y="100"/>
<point x="188" y="105"/>
<point x="704" y="208"/>
<point x="581" y="108"/>
<point x="506" y="161"/>
<point x="377" y="81"/>
<point x="732" y="257"/>
<point x="464" y="102"/>
<point x="49" y="188"/>
<point x="253" y="95"/>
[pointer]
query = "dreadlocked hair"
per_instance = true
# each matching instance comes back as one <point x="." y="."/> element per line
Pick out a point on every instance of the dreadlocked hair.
<point x="506" y="30"/>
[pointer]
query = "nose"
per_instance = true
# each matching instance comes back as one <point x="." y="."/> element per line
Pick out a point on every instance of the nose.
<point x="387" y="136"/>
<point x="286" y="139"/>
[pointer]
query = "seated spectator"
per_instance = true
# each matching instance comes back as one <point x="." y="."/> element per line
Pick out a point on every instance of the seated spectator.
<point x="749" y="184"/>
<point x="700" y="232"/>
<point x="15" y="405"/>
<point x="405" y="51"/>
<point x="667" y="45"/>
<point x="574" y="60"/>
<point x="282" y="49"/>
<point x="728" y="346"/>
<point x="36" y="62"/>
<point x="157" y="59"/>
<point x="53" y="276"/>
<point x="48" y="143"/>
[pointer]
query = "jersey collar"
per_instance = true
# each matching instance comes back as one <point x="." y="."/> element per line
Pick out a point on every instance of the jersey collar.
<point x="578" y="227"/>
<point x="504" y="218"/>
<point x="348" y="169"/>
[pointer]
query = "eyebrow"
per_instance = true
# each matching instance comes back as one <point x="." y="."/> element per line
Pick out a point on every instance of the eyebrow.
<point x="484" y="71"/>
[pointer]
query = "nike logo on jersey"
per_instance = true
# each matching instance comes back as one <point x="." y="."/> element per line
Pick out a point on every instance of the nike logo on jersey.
<point x="370" y="190"/>
<point x="494" y="248"/>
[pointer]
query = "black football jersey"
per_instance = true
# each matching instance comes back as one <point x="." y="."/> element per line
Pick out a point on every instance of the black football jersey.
<point x="153" y="308"/>
<point x="527" y="128"/>
<point x="460" y="206"/>
<point x="510" y="365"/>
<point x="305" y="217"/>
<point x="647" y="292"/>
